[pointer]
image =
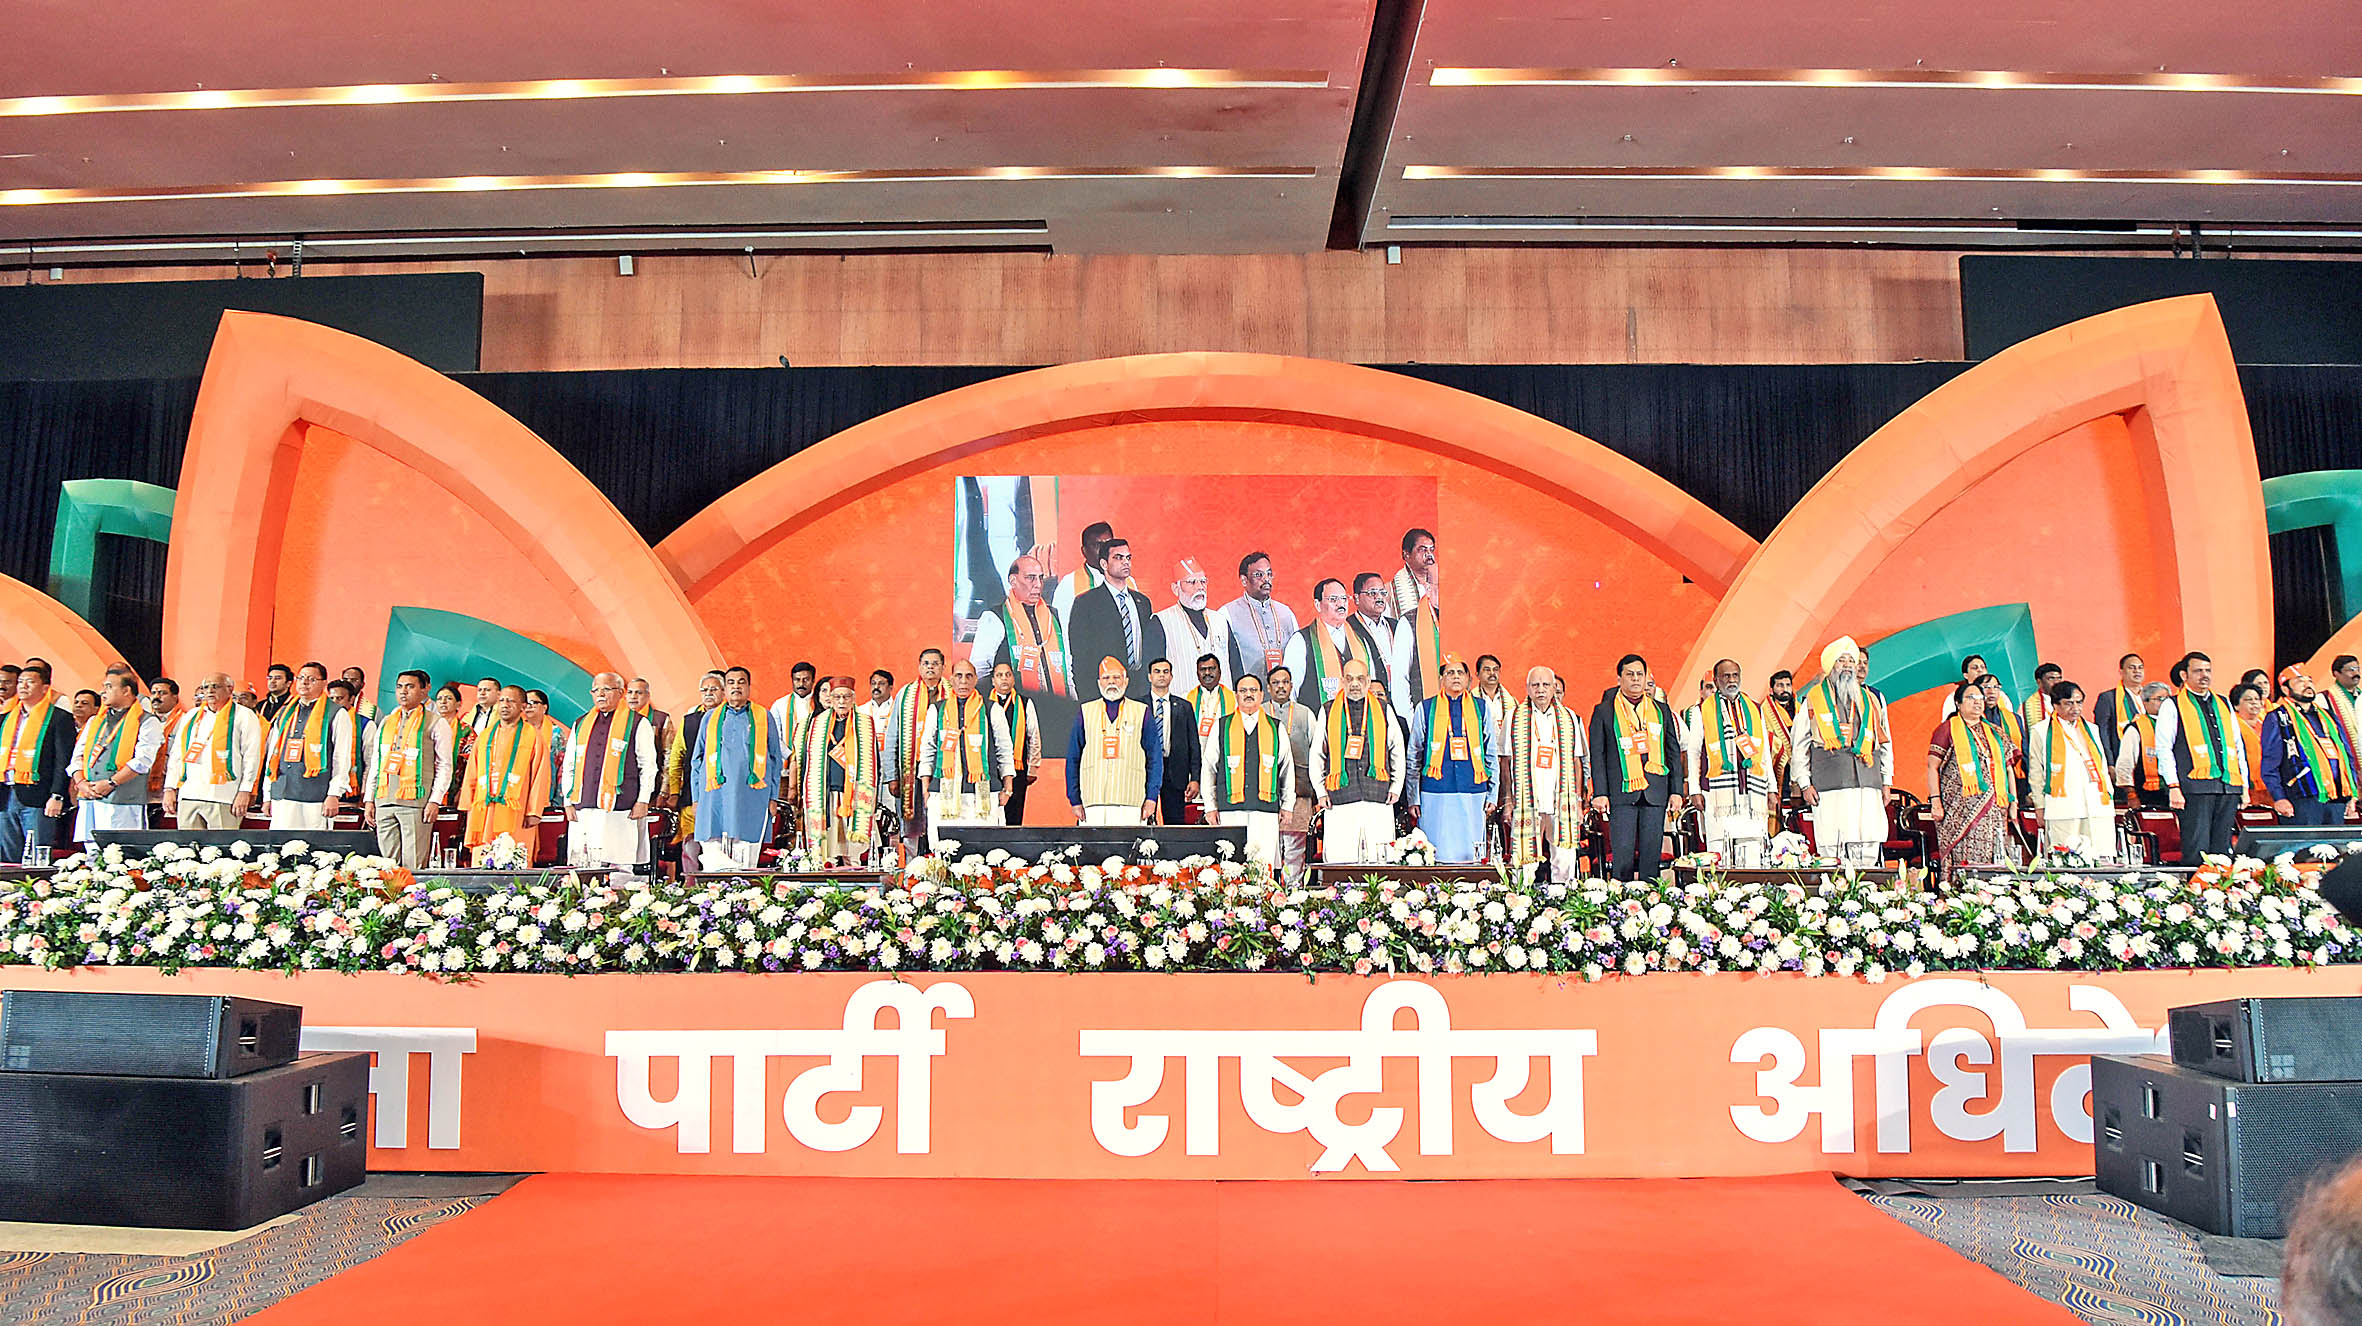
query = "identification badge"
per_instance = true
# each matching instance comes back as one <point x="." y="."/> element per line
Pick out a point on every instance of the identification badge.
<point x="1636" y="744"/>
<point x="1205" y="727"/>
<point x="1107" y="746"/>
<point x="1459" y="748"/>
<point x="1353" y="748"/>
<point x="1747" y="747"/>
<point x="1029" y="657"/>
<point x="1271" y="658"/>
<point x="1545" y="756"/>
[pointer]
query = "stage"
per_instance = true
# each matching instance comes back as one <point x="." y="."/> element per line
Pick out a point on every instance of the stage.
<point x="1232" y="1076"/>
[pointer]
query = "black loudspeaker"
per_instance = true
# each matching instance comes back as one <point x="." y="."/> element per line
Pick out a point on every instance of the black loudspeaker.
<point x="144" y="1035"/>
<point x="182" y="1153"/>
<point x="2228" y="1157"/>
<point x="2341" y="888"/>
<point x="2309" y="1039"/>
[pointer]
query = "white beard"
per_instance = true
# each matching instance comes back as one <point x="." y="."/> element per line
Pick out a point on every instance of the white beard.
<point x="1110" y="693"/>
<point x="1849" y="689"/>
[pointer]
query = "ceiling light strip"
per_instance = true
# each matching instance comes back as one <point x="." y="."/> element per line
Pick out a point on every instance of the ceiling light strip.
<point x="1880" y="174"/>
<point x="720" y="85"/>
<point x="1955" y="79"/>
<point x="638" y="180"/>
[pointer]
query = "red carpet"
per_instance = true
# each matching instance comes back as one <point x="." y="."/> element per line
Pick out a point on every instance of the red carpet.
<point x="596" y="1248"/>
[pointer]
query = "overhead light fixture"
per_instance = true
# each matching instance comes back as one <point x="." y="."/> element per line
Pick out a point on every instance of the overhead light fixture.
<point x="1884" y="174"/>
<point x="1715" y="230"/>
<point x="633" y="242"/>
<point x="637" y="179"/>
<point x="1971" y="79"/>
<point x="719" y="85"/>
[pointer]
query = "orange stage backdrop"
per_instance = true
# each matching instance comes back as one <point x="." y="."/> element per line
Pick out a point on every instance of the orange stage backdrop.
<point x="2102" y="473"/>
<point x="1233" y="1076"/>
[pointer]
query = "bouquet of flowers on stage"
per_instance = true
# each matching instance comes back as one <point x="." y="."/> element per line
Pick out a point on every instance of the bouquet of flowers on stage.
<point x="1789" y="849"/>
<point x="2067" y="858"/>
<point x="504" y="853"/>
<point x="1412" y="849"/>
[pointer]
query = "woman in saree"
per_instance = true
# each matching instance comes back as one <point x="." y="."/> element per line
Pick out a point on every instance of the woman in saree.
<point x="1973" y="791"/>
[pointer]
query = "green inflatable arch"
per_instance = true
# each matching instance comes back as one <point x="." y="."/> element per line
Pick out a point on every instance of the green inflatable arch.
<point x="87" y="508"/>
<point x="1928" y="655"/>
<point x="2318" y="498"/>
<point x="452" y="646"/>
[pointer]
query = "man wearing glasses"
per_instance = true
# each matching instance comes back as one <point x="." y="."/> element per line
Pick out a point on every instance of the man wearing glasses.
<point x="1026" y="634"/>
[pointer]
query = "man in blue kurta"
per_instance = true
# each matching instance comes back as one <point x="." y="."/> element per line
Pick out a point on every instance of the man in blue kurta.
<point x="737" y="769"/>
<point x="1456" y="785"/>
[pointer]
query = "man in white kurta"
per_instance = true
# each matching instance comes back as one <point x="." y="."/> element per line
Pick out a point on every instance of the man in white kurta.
<point x="610" y="779"/>
<point x="2069" y="780"/>
<point x="1842" y="757"/>
<point x="966" y="760"/>
<point x="406" y="770"/>
<point x="1248" y="775"/>
<point x="215" y="761"/>
<point x="1260" y="625"/>
<point x="111" y="760"/>
<point x="308" y="755"/>
<point x="1356" y="769"/>
<point x="1193" y="631"/>
<point x="796" y="708"/>
<point x="1733" y="749"/>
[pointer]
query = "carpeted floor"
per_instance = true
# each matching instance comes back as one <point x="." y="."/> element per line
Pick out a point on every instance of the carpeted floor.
<point x="717" y="1251"/>
<point x="220" y="1286"/>
<point x="2102" y="1256"/>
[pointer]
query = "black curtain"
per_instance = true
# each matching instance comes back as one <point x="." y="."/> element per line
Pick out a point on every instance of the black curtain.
<point x="1748" y="440"/>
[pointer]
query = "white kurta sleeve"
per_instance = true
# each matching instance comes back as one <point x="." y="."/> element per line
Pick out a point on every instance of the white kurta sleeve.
<point x="1317" y="763"/>
<point x="2169" y="721"/>
<point x="80" y="759"/>
<point x="439" y="740"/>
<point x="1006" y="766"/>
<point x="987" y="645"/>
<point x="1287" y="772"/>
<point x="1395" y="759"/>
<point x="1293" y="659"/>
<point x="644" y="749"/>
<point x="927" y="742"/>
<point x="1693" y="748"/>
<point x="348" y="744"/>
<point x="1801" y="744"/>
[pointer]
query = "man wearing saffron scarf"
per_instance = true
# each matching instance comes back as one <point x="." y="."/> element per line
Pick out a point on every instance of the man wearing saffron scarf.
<point x="834" y="786"/>
<point x="1317" y="655"/>
<point x="1115" y="757"/>
<point x="2037" y="706"/>
<point x="2344" y="694"/>
<point x="508" y="782"/>
<point x="797" y="707"/>
<point x="2309" y="758"/>
<point x="1356" y="768"/>
<point x="1260" y="625"/>
<point x="1544" y="751"/>
<point x="736" y="772"/>
<point x="487" y="706"/>
<point x="36" y="744"/>
<point x="1249" y="773"/>
<point x="408" y="770"/>
<point x="966" y="760"/>
<point x="1416" y="604"/>
<point x="2202" y="760"/>
<point x="1211" y="701"/>
<point x="310" y="756"/>
<point x="2114" y="709"/>
<point x="1024" y="722"/>
<point x="164" y="702"/>
<point x="610" y="779"/>
<point x="1389" y="648"/>
<point x="2069" y="778"/>
<point x="215" y="761"/>
<point x="1458" y="785"/>
<point x="1635" y="747"/>
<point x="906" y="724"/>
<point x="109" y="768"/>
<point x="1842" y="757"/>
<point x="1028" y="635"/>
<point x="1732" y="748"/>
<point x="2137" y="758"/>
<point x="1191" y="631"/>
<point x="639" y="697"/>
<point x="554" y="740"/>
<point x="278" y="691"/>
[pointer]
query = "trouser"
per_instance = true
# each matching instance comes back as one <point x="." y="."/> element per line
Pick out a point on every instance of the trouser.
<point x="2092" y="835"/>
<point x="24" y="825"/>
<point x="1635" y="840"/>
<point x="2153" y="798"/>
<point x="1850" y="824"/>
<point x="1173" y="804"/>
<point x="2206" y="820"/>
<point x="2313" y="814"/>
<point x="1358" y="832"/>
<point x="1263" y="836"/>
<point x="914" y="826"/>
<point x="195" y="814"/>
<point x="1127" y="815"/>
<point x="949" y="809"/>
<point x="1014" y="812"/>
<point x="1737" y="825"/>
<point x="299" y="814"/>
<point x="403" y="833"/>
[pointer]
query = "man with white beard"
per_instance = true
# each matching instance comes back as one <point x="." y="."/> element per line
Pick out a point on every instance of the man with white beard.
<point x="1115" y="758"/>
<point x="1191" y="632"/>
<point x="1733" y="744"/>
<point x="1843" y="757"/>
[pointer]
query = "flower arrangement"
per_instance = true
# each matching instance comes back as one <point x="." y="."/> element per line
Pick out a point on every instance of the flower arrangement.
<point x="293" y="911"/>
<point x="2068" y="857"/>
<point x="1412" y="849"/>
<point x="504" y="853"/>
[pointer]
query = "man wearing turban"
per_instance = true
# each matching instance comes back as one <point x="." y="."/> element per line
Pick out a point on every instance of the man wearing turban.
<point x="1843" y="757"/>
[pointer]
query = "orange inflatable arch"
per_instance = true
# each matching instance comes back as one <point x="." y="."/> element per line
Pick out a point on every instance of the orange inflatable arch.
<point x="1575" y="469"/>
<point x="2166" y="367"/>
<point x="34" y="625"/>
<point x="269" y="376"/>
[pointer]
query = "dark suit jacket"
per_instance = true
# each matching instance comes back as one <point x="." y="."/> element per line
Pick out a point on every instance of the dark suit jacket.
<point x="1181" y="765"/>
<point x="50" y="778"/>
<point x="1605" y="780"/>
<point x="1094" y="631"/>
